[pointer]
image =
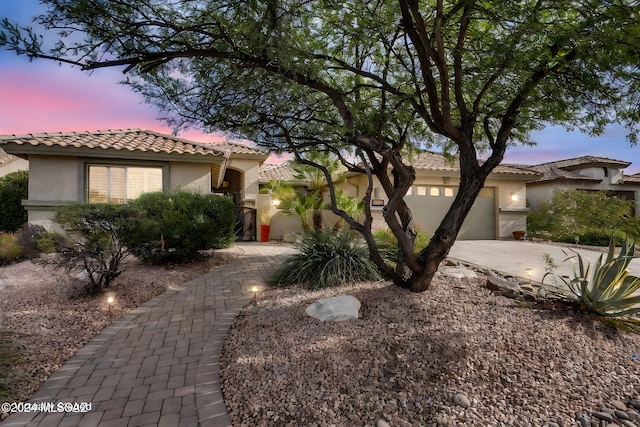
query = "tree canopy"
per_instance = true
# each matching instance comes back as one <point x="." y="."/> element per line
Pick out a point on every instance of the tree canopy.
<point x="367" y="81"/>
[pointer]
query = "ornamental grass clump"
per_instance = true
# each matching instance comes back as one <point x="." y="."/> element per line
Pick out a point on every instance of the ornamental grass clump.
<point x="327" y="259"/>
<point x="610" y="292"/>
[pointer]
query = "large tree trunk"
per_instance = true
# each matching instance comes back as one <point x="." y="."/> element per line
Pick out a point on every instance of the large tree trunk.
<point x="445" y="236"/>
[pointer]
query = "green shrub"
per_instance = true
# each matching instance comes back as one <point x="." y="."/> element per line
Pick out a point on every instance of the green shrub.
<point x="600" y="237"/>
<point x="10" y="250"/>
<point x="610" y="291"/>
<point x="388" y="243"/>
<point x="590" y="216"/>
<point x="49" y="242"/>
<point x="175" y="227"/>
<point x="97" y="236"/>
<point x="14" y="187"/>
<point x="27" y="235"/>
<point x="327" y="259"/>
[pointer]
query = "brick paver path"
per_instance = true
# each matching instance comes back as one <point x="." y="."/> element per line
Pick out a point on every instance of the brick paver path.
<point x="158" y="365"/>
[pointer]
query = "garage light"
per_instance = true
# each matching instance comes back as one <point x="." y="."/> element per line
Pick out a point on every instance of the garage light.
<point x="514" y="197"/>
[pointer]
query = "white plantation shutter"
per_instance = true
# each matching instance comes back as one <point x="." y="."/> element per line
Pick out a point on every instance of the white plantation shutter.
<point x="119" y="184"/>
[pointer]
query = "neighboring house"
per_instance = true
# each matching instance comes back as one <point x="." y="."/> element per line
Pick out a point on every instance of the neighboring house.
<point x="118" y="165"/>
<point x="499" y="210"/>
<point x="10" y="163"/>
<point x="588" y="173"/>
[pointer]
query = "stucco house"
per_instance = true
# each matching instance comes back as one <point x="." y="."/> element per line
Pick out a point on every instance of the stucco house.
<point x="118" y="165"/>
<point x="10" y="163"/>
<point x="499" y="210"/>
<point x="589" y="173"/>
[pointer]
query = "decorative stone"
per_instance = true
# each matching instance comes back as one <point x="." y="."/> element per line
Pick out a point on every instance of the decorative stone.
<point x="458" y="272"/>
<point x="335" y="309"/>
<point x="461" y="400"/>
<point x="583" y="419"/>
<point x="603" y="416"/>
<point x="382" y="423"/>
<point x="621" y="415"/>
<point x="503" y="287"/>
<point x="619" y="405"/>
<point x="635" y="403"/>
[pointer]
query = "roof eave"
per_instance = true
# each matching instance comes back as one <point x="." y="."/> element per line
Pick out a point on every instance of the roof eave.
<point x="21" y="150"/>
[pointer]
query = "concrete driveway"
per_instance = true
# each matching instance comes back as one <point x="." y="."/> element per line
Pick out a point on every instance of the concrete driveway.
<point x="515" y="257"/>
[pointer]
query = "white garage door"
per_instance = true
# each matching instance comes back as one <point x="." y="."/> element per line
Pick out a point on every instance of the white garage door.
<point x="429" y="204"/>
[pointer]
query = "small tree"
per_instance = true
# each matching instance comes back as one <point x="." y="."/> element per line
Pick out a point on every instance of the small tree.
<point x="367" y="82"/>
<point x="97" y="236"/>
<point x="14" y="187"/>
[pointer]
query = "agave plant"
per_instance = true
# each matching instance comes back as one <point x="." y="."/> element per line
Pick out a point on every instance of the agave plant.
<point x="611" y="292"/>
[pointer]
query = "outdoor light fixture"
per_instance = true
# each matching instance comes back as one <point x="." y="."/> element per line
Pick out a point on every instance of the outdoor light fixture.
<point x="529" y="273"/>
<point x="514" y="197"/>
<point x="255" y="294"/>
<point x="275" y="202"/>
<point x="110" y="300"/>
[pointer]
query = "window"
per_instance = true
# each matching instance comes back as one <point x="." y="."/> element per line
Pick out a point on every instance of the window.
<point x="435" y="192"/>
<point x="421" y="190"/>
<point x="448" y="192"/>
<point x="119" y="184"/>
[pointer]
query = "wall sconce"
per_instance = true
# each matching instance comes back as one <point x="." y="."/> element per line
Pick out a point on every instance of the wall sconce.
<point x="514" y="197"/>
<point x="225" y="184"/>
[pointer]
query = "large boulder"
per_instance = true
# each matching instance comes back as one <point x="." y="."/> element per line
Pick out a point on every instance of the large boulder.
<point x="335" y="309"/>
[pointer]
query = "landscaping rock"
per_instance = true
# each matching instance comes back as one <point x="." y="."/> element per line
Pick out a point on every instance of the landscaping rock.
<point x="461" y="400"/>
<point x="504" y="287"/>
<point x="336" y="309"/>
<point x="458" y="272"/>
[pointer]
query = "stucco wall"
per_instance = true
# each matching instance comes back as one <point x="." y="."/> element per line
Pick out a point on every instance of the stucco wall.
<point x="195" y="177"/>
<point x="250" y="169"/>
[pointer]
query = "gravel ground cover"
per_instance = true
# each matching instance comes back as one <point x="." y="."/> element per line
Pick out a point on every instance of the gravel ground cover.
<point x="456" y="355"/>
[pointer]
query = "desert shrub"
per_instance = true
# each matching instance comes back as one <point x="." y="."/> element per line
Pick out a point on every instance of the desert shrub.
<point x="49" y="241"/>
<point x="174" y="227"/>
<point x="10" y="250"/>
<point x="599" y="237"/>
<point x="8" y="357"/>
<point x="14" y="187"/>
<point x="607" y="290"/>
<point x="327" y="259"/>
<point x="589" y="216"/>
<point x="388" y="243"/>
<point x="97" y="235"/>
<point x="27" y="236"/>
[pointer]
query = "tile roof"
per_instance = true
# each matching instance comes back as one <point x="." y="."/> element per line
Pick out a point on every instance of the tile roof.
<point x="586" y="161"/>
<point x="428" y="160"/>
<point x="564" y="169"/>
<point x="131" y="140"/>
<point x="281" y="171"/>
<point x="5" y="158"/>
<point x="632" y="178"/>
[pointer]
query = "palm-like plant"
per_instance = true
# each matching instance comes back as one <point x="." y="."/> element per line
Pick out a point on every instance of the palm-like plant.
<point x="611" y="292"/>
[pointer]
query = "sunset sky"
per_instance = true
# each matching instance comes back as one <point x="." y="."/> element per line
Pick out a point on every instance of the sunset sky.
<point x="43" y="96"/>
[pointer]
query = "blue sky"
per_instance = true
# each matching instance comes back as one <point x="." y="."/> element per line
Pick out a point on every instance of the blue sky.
<point x="42" y="96"/>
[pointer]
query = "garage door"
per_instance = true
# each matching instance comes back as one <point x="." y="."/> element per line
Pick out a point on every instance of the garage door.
<point x="429" y="204"/>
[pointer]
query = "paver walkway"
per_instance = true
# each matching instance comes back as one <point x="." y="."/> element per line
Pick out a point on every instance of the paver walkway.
<point x="158" y="365"/>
